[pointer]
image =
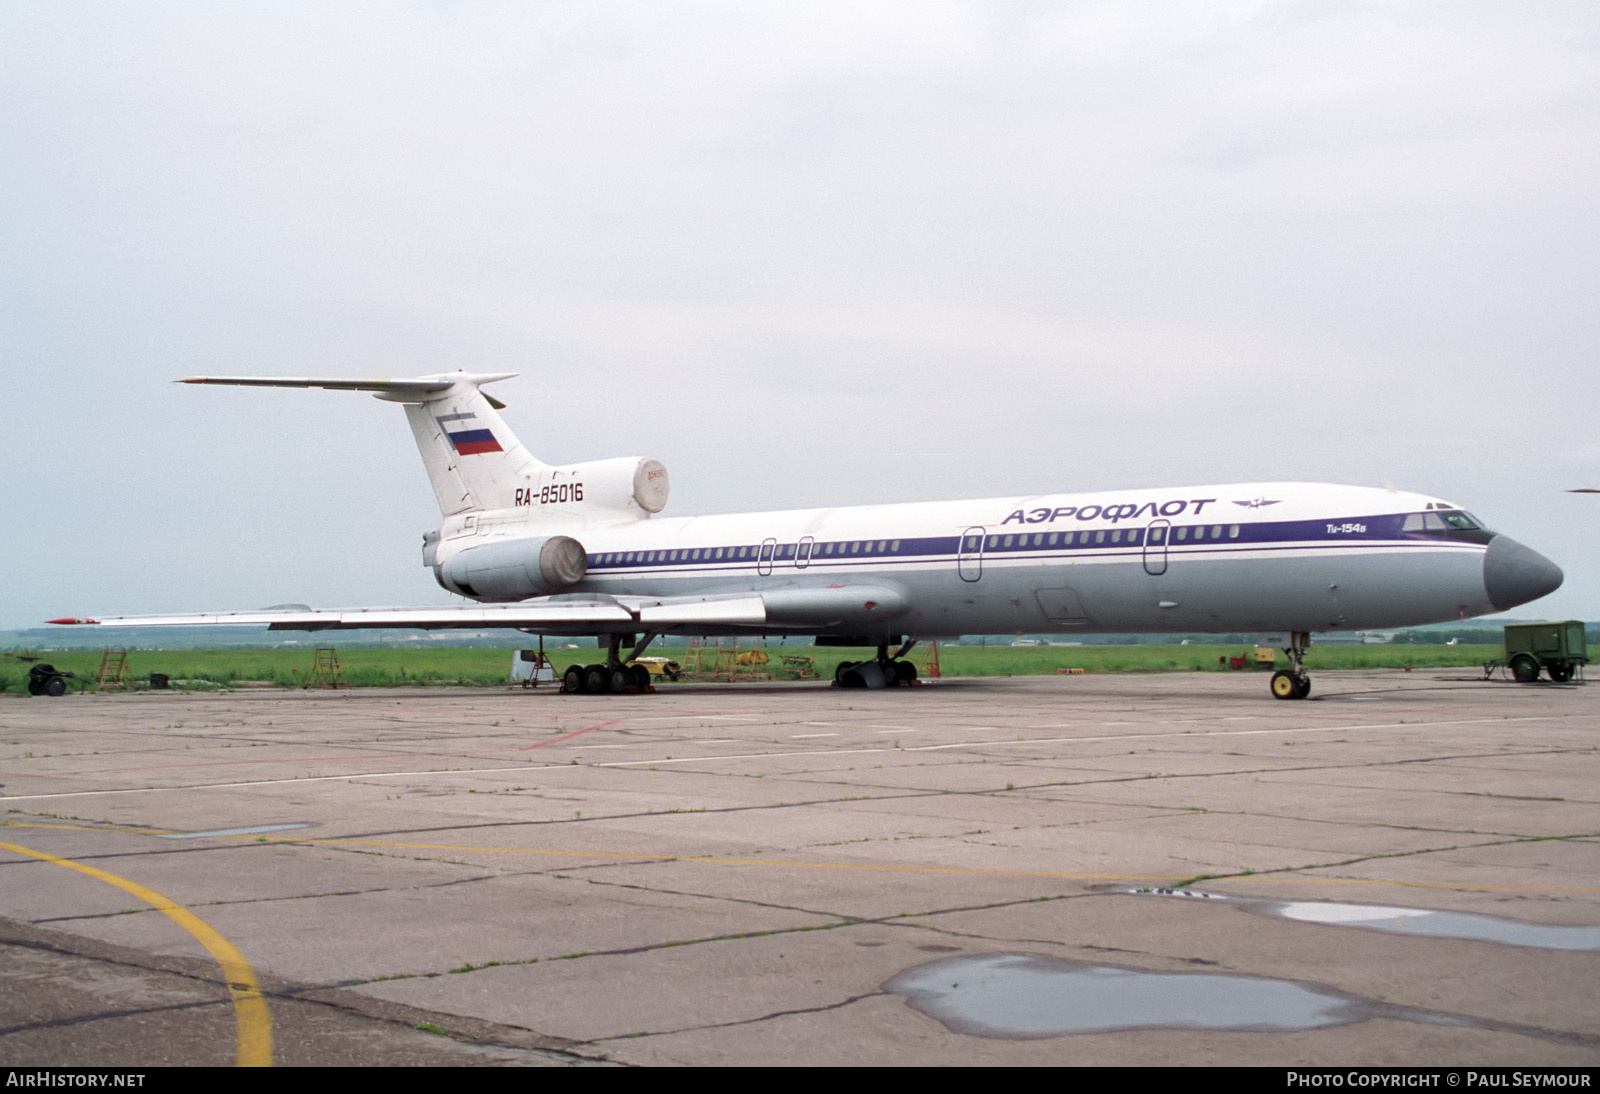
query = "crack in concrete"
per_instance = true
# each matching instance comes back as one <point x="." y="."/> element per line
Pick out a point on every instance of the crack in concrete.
<point x="472" y="1031"/>
<point x="737" y="1022"/>
<point x="1198" y="878"/>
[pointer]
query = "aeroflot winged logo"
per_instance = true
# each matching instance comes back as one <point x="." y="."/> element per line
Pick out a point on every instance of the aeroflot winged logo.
<point x="463" y="438"/>
<point x="1258" y="503"/>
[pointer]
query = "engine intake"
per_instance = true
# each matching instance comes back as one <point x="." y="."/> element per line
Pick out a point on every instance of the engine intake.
<point x="624" y="483"/>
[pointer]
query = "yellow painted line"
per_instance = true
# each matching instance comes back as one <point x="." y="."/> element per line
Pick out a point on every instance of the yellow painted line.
<point x="1282" y="874"/>
<point x="890" y="868"/>
<point x="253" y="1023"/>
<point x="86" y="828"/>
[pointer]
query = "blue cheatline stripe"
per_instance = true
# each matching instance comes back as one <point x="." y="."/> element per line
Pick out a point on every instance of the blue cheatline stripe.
<point x="1133" y="554"/>
<point x="1384" y="531"/>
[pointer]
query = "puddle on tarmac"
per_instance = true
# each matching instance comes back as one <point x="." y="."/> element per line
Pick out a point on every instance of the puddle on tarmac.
<point x="1410" y="921"/>
<point x="1022" y="996"/>
<point x="1422" y="921"/>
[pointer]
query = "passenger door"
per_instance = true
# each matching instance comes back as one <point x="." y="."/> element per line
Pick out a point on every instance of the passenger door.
<point x="969" y="557"/>
<point x="1155" y="547"/>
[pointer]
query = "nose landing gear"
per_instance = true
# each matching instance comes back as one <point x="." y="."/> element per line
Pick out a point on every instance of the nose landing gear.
<point x="1293" y="682"/>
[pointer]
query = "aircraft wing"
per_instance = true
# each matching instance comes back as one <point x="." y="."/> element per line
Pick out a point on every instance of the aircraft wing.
<point x="799" y="609"/>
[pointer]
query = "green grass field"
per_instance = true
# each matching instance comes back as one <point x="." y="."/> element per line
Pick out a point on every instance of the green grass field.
<point x="489" y="667"/>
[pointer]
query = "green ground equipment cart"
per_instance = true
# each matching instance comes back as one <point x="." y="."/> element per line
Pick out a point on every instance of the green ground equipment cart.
<point x="1555" y="648"/>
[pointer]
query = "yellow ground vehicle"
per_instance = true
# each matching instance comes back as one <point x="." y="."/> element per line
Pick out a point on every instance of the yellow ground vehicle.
<point x="658" y="666"/>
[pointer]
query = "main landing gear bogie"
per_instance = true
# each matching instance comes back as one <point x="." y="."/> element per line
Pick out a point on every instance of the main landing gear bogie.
<point x="605" y="679"/>
<point x="874" y="674"/>
<point x="884" y="672"/>
<point x="617" y="676"/>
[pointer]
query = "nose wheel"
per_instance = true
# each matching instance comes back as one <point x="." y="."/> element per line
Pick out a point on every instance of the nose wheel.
<point x="1293" y="682"/>
<point x="1286" y="685"/>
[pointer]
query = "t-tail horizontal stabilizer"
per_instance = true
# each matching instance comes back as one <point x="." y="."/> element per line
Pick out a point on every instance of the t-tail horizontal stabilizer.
<point x="472" y="458"/>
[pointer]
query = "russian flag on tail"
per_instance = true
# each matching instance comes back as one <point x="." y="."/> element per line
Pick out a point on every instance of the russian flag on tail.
<point x="467" y="441"/>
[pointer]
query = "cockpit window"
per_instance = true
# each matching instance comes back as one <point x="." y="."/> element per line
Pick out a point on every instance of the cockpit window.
<point x="1450" y="523"/>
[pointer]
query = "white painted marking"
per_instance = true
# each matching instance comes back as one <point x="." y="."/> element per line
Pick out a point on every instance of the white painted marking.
<point x="234" y="831"/>
<point x="1311" y="912"/>
<point x="695" y="718"/>
<point x="525" y="768"/>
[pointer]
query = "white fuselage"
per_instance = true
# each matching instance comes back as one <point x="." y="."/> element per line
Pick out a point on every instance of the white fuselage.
<point x="1241" y="557"/>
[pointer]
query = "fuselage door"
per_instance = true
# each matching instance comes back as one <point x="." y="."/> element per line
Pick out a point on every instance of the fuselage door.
<point x="802" y="552"/>
<point x="764" y="561"/>
<point x="1155" y="547"/>
<point x="969" y="558"/>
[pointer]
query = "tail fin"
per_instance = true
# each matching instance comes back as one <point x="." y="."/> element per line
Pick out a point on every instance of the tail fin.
<point x="474" y="461"/>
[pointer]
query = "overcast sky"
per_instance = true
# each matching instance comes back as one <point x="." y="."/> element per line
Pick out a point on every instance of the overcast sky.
<point x="803" y="253"/>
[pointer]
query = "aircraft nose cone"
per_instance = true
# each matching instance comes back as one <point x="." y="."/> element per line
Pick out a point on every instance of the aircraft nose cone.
<point x="1514" y="574"/>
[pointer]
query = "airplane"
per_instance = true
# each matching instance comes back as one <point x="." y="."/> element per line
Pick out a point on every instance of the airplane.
<point x="582" y="550"/>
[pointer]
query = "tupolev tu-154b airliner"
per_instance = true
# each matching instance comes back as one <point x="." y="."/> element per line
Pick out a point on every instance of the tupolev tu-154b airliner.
<point x="582" y="549"/>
